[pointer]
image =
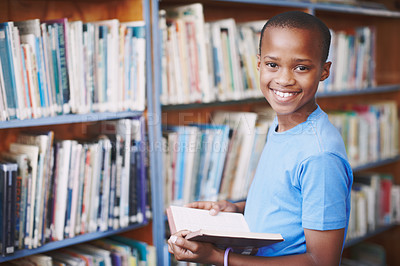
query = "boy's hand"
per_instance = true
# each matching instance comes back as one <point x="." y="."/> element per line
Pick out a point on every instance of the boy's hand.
<point x="186" y="250"/>
<point x="216" y="207"/>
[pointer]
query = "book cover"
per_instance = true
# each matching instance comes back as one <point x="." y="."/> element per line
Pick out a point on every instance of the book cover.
<point x="224" y="230"/>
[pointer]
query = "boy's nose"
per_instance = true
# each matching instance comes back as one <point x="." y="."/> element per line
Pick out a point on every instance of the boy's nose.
<point x="285" y="78"/>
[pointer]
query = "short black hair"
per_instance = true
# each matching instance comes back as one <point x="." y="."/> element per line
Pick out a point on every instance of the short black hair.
<point x="300" y="20"/>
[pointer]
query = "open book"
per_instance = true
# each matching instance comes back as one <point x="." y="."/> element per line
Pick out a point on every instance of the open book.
<point x="226" y="229"/>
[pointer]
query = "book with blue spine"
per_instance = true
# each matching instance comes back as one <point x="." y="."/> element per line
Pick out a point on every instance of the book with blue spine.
<point x="8" y="68"/>
<point x="61" y="40"/>
<point x="219" y="149"/>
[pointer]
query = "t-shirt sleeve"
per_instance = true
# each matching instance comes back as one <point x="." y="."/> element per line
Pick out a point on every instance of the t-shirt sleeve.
<point x="325" y="181"/>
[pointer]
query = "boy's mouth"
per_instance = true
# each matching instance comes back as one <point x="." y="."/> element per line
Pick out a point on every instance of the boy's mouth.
<point x="284" y="94"/>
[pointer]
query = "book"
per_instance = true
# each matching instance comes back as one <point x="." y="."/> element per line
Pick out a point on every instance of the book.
<point x="134" y="60"/>
<point x="248" y="41"/>
<point x="8" y="176"/>
<point x="44" y="141"/>
<point x="33" y="154"/>
<point x="59" y="32"/>
<point x="224" y="230"/>
<point x="141" y="247"/>
<point x="186" y="55"/>
<point x="239" y="152"/>
<point x="30" y="35"/>
<point x="23" y="176"/>
<point x="224" y="40"/>
<point x="6" y="57"/>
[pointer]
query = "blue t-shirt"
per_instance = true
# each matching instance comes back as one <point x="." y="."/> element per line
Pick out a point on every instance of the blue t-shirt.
<point x="303" y="180"/>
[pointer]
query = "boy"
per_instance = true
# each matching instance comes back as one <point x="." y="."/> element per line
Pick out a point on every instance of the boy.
<point x="302" y="185"/>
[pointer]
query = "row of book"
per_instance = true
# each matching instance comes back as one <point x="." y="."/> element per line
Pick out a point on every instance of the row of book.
<point x="58" y="66"/>
<point x="218" y="160"/>
<point x="370" y="131"/>
<point x="214" y="161"/>
<point x="111" y="251"/>
<point x="375" y="202"/>
<point x="352" y="54"/>
<point x="217" y="60"/>
<point x="57" y="189"/>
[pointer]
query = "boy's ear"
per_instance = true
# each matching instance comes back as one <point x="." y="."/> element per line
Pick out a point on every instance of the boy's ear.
<point x="258" y="62"/>
<point x="325" y="71"/>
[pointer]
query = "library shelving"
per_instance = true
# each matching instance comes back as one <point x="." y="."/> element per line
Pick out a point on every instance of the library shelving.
<point x="384" y="85"/>
<point x="74" y="126"/>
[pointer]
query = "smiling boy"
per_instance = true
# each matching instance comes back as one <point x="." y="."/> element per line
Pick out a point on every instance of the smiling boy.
<point x="302" y="184"/>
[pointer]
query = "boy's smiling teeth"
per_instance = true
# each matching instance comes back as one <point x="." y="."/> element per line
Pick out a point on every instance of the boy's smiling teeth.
<point x="284" y="94"/>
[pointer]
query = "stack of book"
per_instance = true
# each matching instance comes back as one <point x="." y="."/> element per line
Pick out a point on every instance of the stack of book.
<point x="217" y="60"/>
<point x="205" y="62"/>
<point x="65" y="188"/>
<point x="352" y="55"/>
<point x="375" y="202"/>
<point x="59" y="66"/>
<point x="370" y="131"/>
<point x="110" y="251"/>
<point x="214" y="161"/>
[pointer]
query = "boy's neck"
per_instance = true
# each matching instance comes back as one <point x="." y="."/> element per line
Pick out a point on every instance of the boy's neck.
<point x="289" y="121"/>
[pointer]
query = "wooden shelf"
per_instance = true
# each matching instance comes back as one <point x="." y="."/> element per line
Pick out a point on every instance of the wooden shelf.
<point x="67" y="242"/>
<point x="68" y="119"/>
<point x="379" y="230"/>
<point x="376" y="164"/>
<point x="332" y="7"/>
<point x="350" y="92"/>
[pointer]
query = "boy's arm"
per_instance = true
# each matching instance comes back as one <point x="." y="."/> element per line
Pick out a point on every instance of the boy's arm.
<point x="323" y="248"/>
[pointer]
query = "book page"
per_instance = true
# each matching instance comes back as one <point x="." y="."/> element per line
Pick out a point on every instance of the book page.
<point x="196" y="219"/>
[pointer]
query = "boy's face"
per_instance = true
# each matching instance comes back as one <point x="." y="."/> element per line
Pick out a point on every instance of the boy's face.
<point x="290" y="68"/>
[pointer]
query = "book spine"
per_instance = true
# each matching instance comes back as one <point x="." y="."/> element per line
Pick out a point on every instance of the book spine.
<point x="11" y="202"/>
<point x="18" y="209"/>
<point x="8" y="73"/>
<point x="133" y="192"/>
<point x="63" y="66"/>
<point x="8" y="174"/>
<point x="3" y="212"/>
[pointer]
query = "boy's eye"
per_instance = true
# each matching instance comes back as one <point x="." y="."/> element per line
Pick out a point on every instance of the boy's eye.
<point x="272" y="65"/>
<point x="302" y="68"/>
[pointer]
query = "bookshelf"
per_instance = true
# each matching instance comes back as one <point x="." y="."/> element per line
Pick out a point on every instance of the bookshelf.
<point x="73" y="126"/>
<point x="337" y="17"/>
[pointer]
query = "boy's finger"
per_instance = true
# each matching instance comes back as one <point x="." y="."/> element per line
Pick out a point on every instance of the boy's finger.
<point x="205" y="205"/>
<point x="215" y="209"/>
<point x="186" y="244"/>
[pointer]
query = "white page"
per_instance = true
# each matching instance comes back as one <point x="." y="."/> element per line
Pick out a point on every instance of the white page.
<point x="196" y="219"/>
